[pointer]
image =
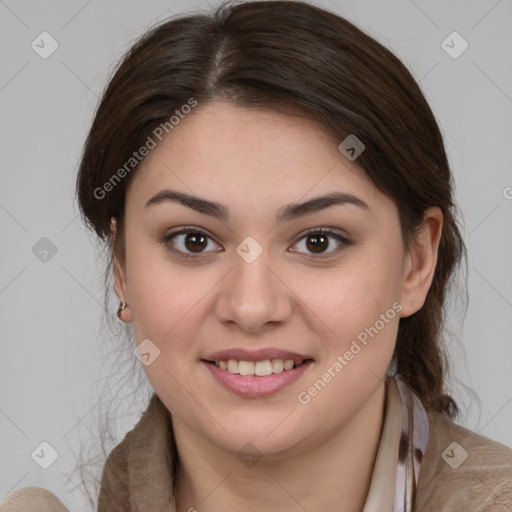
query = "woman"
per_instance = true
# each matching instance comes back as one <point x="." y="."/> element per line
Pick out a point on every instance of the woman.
<point x="279" y="207"/>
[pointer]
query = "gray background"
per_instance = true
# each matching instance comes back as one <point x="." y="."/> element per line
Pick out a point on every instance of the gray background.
<point x="53" y="367"/>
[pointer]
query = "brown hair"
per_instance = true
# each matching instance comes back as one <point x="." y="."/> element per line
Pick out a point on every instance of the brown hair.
<point x="290" y="55"/>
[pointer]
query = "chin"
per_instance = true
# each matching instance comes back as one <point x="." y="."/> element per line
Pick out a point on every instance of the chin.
<point x="272" y="434"/>
<point x="258" y="445"/>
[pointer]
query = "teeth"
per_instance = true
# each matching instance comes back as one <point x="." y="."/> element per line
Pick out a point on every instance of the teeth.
<point x="277" y="366"/>
<point x="246" y="368"/>
<point x="232" y="366"/>
<point x="262" y="368"/>
<point x="259" y="368"/>
<point x="288" y="364"/>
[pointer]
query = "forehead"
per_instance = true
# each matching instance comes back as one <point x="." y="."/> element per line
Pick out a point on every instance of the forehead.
<point x="230" y="154"/>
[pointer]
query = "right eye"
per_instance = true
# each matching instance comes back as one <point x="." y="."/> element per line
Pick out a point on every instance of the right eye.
<point x="188" y="242"/>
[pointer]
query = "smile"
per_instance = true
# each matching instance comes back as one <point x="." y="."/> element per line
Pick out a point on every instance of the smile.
<point x="256" y="379"/>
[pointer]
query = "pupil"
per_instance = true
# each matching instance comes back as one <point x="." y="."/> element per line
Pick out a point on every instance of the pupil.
<point x="195" y="242"/>
<point x="316" y="243"/>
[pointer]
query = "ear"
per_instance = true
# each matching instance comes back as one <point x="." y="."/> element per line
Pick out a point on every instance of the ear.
<point x="120" y="282"/>
<point x="420" y="262"/>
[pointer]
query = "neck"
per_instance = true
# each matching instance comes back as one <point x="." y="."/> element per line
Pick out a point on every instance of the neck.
<point x="333" y="475"/>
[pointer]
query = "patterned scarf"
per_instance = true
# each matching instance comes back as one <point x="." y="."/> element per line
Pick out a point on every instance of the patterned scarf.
<point x="413" y="443"/>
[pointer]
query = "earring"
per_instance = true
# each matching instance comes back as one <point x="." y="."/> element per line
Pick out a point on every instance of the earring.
<point x="122" y="306"/>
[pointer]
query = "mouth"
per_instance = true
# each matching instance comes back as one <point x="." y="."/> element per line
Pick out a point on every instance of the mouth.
<point x="256" y="374"/>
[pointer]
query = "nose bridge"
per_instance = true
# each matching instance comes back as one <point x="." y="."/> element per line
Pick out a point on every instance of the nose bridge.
<point x="252" y="295"/>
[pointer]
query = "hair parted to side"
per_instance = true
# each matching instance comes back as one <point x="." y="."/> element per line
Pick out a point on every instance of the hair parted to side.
<point x="296" y="57"/>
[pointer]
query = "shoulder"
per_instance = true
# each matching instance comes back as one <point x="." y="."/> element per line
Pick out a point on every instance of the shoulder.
<point x="463" y="470"/>
<point x="32" y="499"/>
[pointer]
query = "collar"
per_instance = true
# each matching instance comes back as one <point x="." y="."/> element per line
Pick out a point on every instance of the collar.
<point x="401" y="450"/>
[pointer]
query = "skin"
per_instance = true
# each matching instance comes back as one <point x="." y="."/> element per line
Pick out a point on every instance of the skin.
<point x="313" y="456"/>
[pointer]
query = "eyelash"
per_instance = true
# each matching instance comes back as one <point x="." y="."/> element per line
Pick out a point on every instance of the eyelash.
<point x="316" y="231"/>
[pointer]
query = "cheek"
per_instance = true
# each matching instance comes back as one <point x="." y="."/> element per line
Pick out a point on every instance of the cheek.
<point x="351" y="297"/>
<point x="163" y="296"/>
<point x="360" y="305"/>
<point x="362" y="311"/>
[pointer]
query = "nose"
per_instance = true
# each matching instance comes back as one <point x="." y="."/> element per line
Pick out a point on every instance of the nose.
<point x="254" y="296"/>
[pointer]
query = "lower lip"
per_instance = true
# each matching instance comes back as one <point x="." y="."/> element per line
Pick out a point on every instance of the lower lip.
<point x="251" y="386"/>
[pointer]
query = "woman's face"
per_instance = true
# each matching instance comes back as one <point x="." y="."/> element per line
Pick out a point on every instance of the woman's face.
<point x="249" y="284"/>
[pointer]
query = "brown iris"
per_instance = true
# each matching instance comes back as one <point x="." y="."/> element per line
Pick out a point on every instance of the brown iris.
<point x="317" y="242"/>
<point x="195" y="242"/>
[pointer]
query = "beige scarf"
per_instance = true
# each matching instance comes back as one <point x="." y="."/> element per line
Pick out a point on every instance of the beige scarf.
<point x="139" y="473"/>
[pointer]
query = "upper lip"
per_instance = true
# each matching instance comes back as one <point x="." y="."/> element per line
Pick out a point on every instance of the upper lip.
<point x="262" y="354"/>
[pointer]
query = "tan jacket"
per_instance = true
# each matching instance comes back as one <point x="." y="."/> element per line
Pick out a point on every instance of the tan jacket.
<point x="461" y="471"/>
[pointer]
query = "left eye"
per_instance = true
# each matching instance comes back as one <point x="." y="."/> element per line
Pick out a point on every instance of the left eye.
<point x="318" y="241"/>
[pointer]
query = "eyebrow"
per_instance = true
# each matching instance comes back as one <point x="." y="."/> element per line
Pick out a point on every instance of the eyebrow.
<point x="286" y="213"/>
